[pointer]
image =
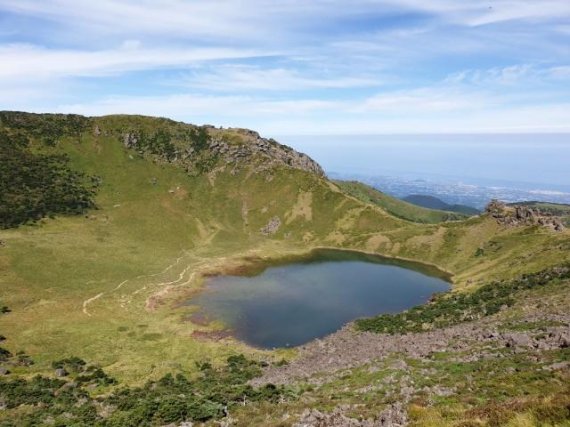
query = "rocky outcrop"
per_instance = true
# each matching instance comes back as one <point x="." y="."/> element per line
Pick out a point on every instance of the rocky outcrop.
<point x="231" y="147"/>
<point x="393" y="416"/>
<point x="346" y="348"/>
<point x="518" y="216"/>
<point x="130" y="139"/>
<point x="271" y="227"/>
<point x="269" y="150"/>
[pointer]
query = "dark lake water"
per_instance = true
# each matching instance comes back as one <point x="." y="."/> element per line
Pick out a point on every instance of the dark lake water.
<point x="294" y="301"/>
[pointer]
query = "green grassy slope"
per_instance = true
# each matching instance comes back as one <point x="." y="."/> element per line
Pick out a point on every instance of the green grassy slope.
<point x="397" y="207"/>
<point x="106" y="286"/>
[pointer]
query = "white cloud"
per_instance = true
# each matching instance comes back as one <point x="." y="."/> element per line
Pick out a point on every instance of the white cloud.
<point x="18" y="61"/>
<point x="510" y="76"/>
<point x="238" y="63"/>
<point x="242" y="77"/>
<point x="476" y="13"/>
<point x="261" y="22"/>
<point x="219" y="110"/>
<point x="426" y="100"/>
<point x="426" y="110"/>
<point x="168" y="17"/>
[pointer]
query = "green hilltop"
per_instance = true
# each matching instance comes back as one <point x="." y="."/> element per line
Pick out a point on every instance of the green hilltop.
<point x="114" y="220"/>
<point x="399" y="208"/>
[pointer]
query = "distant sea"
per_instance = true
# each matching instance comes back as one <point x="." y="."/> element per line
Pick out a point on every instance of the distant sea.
<point x="519" y="166"/>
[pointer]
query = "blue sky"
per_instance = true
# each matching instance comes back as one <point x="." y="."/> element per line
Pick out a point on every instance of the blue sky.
<point x="295" y="67"/>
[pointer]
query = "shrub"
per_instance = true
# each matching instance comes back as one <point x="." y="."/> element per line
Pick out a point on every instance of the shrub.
<point x="449" y="309"/>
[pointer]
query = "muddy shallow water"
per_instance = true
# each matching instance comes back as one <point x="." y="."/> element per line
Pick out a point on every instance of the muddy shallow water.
<point x="288" y="303"/>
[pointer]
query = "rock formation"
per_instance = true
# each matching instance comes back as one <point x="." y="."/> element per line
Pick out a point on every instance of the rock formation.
<point x="518" y="215"/>
<point x="271" y="227"/>
<point x="232" y="147"/>
<point x="270" y="150"/>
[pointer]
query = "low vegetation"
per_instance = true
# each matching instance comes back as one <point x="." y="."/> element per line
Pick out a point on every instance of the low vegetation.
<point x="446" y="310"/>
<point x="397" y="207"/>
<point x="210" y="394"/>
<point x="34" y="185"/>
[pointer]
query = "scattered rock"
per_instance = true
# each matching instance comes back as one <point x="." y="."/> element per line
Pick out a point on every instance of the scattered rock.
<point x="400" y="365"/>
<point x="442" y="391"/>
<point x="182" y="424"/>
<point x="337" y="418"/>
<point x="271" y="227"/>
<point x="60" y="372"/>
<point x="4" y="371"/>
<point x="514" y="340"/>
<point x="348" y="348"/>
<point x="563" y="339"/>
<point x="393" y="416"/>
<point x="518" y="215"/>
<point x="558" y="366"/>
<point x="130" y="140"/>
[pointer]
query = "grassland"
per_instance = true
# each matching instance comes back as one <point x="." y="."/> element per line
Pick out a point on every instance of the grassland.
<point x="107" y="286"/>
<point x="397" y="207"/>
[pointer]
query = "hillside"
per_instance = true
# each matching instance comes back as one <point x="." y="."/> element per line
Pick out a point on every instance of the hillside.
<point x="165" y="204"/>
<point x="432" y="202"/>
<point x="397" y="207"/>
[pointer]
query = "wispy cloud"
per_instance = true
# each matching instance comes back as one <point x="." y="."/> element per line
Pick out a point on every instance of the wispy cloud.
<point x="24" y="60"/>
<point x="245" y="77"/>
<point x="376" y="65"/>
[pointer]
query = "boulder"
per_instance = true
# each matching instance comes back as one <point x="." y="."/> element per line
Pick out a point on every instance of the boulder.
<point x="60" y="372"/>
<point x="515" y="340"/>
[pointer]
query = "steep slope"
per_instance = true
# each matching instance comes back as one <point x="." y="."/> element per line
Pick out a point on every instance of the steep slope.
<point x="176" y="202"/>
<point x="397" y="207"/>
<point x="431" y="202"/>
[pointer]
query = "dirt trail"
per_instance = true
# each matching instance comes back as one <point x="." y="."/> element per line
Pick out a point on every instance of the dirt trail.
<point x="88" y="301"/>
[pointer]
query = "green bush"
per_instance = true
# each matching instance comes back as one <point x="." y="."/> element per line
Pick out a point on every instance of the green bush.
<point x="171" y="399"/>
<point x="450" y="309"/>
<point x="35" y="185"/>
<point x="72" y="364"/>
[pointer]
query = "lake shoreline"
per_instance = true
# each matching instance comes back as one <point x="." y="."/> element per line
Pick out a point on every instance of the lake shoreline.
<point x="288" y="301"/>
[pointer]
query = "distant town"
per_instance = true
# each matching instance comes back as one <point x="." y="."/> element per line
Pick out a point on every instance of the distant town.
<point x="457" y="192"/>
